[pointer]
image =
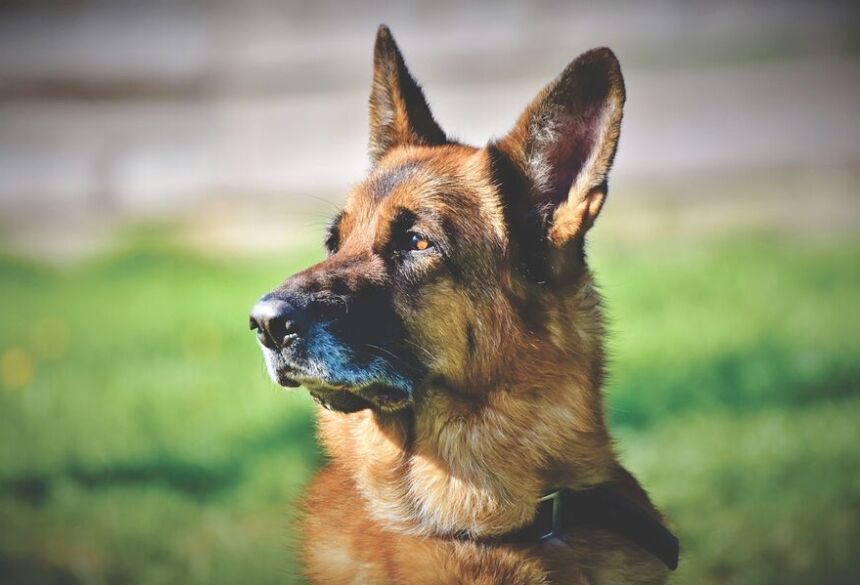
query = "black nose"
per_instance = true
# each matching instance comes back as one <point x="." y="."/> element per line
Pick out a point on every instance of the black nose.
<point x="277" y="322"/>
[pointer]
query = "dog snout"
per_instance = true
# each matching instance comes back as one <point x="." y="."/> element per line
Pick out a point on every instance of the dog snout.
<point x="277" y="322"/>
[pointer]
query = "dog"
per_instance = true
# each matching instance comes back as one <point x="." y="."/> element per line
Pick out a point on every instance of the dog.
<point x="454" y="343"/>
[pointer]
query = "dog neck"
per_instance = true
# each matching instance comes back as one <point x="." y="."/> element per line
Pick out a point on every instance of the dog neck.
<point x="455" y="464"/>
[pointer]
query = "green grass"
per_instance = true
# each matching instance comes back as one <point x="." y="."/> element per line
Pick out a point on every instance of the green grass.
<point x="140" y="439"/>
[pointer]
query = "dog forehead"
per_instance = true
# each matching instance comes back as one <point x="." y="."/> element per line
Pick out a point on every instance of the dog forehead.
<point x="437" y="179"/>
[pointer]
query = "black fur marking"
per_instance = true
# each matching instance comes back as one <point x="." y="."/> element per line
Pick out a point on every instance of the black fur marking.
<point x="332" y="238"/>
<point x="453" y="237"/>
<point x="526" y="222"/>
<point x="532" y="314"/>
<point x="396" y="250"/>
<point x="389" y="180"/>
<point x="470" y="340"/>
<point x="452" y="233"/>
<point x="403" y="221"/>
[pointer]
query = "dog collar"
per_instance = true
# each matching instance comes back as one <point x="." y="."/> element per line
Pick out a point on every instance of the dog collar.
<point x="560" y="510"/>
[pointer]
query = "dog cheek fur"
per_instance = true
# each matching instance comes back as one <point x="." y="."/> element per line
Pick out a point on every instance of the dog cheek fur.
<point x="459" y="335"/>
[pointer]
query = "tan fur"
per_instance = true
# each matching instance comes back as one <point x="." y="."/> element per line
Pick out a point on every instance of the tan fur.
<point x="512" y="403"/>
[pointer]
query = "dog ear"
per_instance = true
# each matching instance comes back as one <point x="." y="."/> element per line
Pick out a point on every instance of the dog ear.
<point x="399" y="114"/>
<point x="565" y="142"/>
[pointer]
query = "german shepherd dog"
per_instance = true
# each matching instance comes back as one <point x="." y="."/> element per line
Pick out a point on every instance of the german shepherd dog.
<point x="453" y="340"/>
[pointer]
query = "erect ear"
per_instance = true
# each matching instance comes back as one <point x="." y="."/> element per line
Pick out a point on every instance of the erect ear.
<point x="399" y="114"/>
<point x="565" y="142"/>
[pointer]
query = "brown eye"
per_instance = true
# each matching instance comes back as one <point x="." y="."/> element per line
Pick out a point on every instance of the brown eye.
<point x="418" y="243"/>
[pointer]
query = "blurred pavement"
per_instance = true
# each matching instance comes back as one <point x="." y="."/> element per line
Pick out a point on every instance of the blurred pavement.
<point x="115" y="110"/>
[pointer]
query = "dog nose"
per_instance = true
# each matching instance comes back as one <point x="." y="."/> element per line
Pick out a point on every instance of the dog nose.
<point x="277" y="322"/>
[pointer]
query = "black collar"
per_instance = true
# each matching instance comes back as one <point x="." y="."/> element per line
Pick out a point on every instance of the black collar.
<point x="601" y="506"/>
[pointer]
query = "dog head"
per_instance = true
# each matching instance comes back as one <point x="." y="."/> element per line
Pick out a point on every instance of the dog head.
<point x="449" y="263"/>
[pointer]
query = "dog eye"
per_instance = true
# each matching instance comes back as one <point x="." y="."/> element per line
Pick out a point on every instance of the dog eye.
<point x="418" y="242"/>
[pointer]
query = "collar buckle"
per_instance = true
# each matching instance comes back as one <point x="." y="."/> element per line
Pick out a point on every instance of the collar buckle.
<point x="554" y="498"/>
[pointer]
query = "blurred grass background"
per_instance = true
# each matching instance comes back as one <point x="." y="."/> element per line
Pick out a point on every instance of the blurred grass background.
<point x="162" y="164"/>
<point x="141" y="441"/>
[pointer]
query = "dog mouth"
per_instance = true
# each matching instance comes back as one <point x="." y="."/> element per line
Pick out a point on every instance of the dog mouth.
<point x="346" y="398"/>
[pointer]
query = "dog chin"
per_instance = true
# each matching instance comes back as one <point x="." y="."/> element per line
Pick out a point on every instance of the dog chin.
<point x="344" y="396"/>
<point x="279" y="372"/>
<point x="377" y="396"/>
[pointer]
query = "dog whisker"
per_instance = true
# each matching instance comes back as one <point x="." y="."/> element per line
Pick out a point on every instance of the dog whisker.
<point x="419" y="347"/>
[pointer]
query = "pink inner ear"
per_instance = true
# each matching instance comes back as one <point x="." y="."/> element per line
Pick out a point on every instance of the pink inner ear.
<point x="571" y="146"/>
